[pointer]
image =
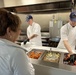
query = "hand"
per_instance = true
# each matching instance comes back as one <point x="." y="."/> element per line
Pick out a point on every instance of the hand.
<point x="25" y="41"/>
<point x="72" y="58"/>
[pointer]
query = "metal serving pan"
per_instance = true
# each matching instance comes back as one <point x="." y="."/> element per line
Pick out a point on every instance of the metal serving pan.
<point x="52" y="56"/>
<point x="36" y="54"/>
<point x="66" y="59"/>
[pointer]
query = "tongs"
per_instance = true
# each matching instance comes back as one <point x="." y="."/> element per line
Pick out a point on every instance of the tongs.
<point x="25" y="41"/>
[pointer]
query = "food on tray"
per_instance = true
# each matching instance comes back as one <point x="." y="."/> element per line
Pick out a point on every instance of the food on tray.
<point x="34" y="54"/>
<point x="66" y="59"/>
<point x="52" y="56"/>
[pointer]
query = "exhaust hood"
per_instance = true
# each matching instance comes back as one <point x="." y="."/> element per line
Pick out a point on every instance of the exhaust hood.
<point x="44" y="7"/>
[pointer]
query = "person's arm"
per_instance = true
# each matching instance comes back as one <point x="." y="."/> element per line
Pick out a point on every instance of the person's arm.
<point x="68" y="47"/>
<point x="20" y="64"/>
<point x="36" y="32"/>
<point x="64" y="38"/>
<point x="33" y="36"/>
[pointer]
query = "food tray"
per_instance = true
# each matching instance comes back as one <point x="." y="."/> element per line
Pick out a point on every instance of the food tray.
<point x="51" y="56"/>
<point x="66" y="59"/>
<point x="35" y="53"/>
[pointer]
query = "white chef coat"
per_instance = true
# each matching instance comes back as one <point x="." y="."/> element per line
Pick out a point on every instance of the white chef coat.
<point x="13" y="60"/>
<point x="68" y="33"/>
<point x="35" y="29"/>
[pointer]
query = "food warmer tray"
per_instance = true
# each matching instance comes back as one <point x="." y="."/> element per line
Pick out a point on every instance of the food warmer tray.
<point x="36" y="54"/>
<point x="51" y="68"/>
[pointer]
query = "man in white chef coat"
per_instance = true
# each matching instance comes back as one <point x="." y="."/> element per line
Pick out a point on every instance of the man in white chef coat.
<point x="68" y="34"/>
<point x="33" y="31"/>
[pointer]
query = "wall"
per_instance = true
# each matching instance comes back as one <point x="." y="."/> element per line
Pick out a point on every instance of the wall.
<point x="1" y="3"/>
<point x="43" y="19"/>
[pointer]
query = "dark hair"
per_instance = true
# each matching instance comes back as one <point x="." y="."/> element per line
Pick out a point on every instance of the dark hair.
<point x="7" y="19"/>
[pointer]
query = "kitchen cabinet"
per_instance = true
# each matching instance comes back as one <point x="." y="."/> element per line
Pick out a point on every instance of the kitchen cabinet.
<point x="45" y="38"/>
<point x="45" y="41"/>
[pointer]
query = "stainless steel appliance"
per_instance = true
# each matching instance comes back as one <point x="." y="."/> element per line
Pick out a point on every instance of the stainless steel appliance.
<point x="54" y="28"/>
<point x="37" y="6"/>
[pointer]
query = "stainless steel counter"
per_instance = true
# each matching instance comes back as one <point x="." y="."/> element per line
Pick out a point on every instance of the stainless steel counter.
<point x="49" y="68"/>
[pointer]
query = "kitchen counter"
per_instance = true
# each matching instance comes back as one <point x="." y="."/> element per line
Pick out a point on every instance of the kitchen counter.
<point x="50" y="68"/>
<point x="52" y="49"/>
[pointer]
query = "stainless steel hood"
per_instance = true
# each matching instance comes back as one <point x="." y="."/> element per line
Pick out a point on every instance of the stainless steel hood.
<point x="44" y="7"/>
<point x="10" y="3"/>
